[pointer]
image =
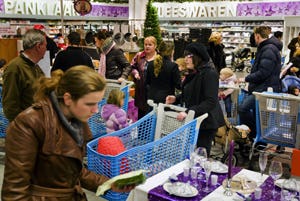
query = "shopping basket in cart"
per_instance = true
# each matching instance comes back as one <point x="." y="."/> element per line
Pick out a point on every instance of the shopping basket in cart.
<point x="142" y="151"/>
<point x="96" y="122"/>
<point x="277" y="119"/>
<point x="3" y="120"/>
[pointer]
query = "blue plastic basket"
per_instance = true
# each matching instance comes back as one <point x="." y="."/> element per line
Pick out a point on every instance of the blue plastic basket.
<point x="96" y="123"/>
<point x="142" y="151"/>
<point x="3" y="120"/>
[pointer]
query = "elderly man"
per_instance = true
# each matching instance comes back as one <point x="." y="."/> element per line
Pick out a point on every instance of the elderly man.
<point x="22" y="73"/>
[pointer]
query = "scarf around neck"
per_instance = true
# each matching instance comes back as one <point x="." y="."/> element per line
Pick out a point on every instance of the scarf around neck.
<point x="74" y="127"/>
<point x="106" y="48"/>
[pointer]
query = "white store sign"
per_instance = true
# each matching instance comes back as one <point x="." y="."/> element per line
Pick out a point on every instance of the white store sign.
<point x="196" y="9"/>
<point x="38" y="7"/>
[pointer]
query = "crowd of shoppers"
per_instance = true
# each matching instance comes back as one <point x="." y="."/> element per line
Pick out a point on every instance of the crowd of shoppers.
<point x="39" y="108"/>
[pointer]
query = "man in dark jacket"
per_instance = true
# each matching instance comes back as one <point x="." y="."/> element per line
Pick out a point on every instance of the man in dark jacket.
<point x="264" y="73"/>
<point x="73" y="55"/>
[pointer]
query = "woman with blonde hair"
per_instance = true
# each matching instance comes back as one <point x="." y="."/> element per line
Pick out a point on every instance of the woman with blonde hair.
<point x="139" y="65"/>
<point x="216" y="50"/>
<point x="163" y="74"/>
<point x="46" y="143"/>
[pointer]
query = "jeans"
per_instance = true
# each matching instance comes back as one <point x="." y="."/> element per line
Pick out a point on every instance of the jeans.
<point x="246" y="112"/>
<point x="228" y="104"/>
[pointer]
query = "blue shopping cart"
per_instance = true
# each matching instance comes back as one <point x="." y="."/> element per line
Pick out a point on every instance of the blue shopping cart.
<point x="143" y="151"/>
<point x="96" y="122"/>
<point x="277" y="119"/>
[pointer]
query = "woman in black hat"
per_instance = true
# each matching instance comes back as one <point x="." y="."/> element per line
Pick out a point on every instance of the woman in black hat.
<point x="200" y="93"/>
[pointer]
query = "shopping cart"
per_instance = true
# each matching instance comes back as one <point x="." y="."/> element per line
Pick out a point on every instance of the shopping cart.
<point x="277" y="120"/>
<point x="96" y="122"/>
<point x="143" y="151"/>
<point x="3" y="120"/>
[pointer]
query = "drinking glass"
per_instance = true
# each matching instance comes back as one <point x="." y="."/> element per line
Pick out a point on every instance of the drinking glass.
<point x="275" y="171"/>
<point x="263" y="160"/>
<point x="207" y="168"/>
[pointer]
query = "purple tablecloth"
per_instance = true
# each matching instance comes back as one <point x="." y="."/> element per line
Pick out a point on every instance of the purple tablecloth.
<point x="159" y="194"/>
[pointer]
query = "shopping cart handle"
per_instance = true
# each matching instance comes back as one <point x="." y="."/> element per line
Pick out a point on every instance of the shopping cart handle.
<point x="200" y="119"/>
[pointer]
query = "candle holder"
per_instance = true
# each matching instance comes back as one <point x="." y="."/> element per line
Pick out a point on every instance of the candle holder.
<point x="228" y="191"/>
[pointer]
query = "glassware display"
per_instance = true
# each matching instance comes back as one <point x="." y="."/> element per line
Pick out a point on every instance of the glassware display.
<point x="263" y="160"/>
<point x="207" y="168"/>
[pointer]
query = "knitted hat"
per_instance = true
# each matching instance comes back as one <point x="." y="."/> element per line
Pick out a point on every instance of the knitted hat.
<point x="199" y="50"/>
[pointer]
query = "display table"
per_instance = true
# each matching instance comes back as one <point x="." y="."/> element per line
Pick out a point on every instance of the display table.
<point x="152" y="189"/>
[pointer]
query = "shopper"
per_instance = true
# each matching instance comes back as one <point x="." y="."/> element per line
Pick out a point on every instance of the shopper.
<point x="139" y="70"/>
<point x="182" y="67"/>
<point x="45" y="144"/>
<point x="227" y="80"/>
<point x="162" y="76"/>
<point x="112" y="113"/>
<point x="264" y="73"/>
<point x="113" y="63"/>
<point x="21" y="74"/>
<point x="51" y="45"/>
<point x="73" y="55"/>
<point x="294" y="45"/>
<point x="200" y="93"/>
<point x="216" y="50"/>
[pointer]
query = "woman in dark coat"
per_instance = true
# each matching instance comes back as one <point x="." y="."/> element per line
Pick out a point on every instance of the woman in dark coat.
<point x="200" y="93"/>
<point x="216" y="50"/>
<point x="162" y="75"/>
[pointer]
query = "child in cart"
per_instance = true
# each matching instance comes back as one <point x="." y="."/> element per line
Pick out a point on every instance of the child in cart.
<point x="227" y="80"/>
<point x="112" y="113"/>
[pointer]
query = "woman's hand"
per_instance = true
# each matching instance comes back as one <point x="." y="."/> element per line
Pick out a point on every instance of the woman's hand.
<point x="120" y="80"/>
<point x="181" y="116"/>
<point x="170" y="99"/>
<point x="137" y="76"/>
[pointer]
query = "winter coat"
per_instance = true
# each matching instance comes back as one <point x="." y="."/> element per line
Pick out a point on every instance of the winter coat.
<point x="200" y="93"/>
<point x="158" y="88"/>
<point x="139" y="64"/>
<point x="117" y="64"/>
<point x="43" y="161"/>
<point x="266" y="68"/>
<point x="18" y="85"/>
<point x="70" y="57"/>
<point x="217" y="54"/>
<point x="115" y="117"/>
<point x="230" y="81"/>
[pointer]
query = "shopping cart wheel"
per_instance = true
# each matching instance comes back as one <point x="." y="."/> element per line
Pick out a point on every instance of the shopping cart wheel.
<point x="234" y="159"/>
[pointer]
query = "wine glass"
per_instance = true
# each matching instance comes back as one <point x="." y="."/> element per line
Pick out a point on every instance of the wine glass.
<point x="263" y="160"/>
<point x="275" y="171"/>
<point x="207" y="168"/>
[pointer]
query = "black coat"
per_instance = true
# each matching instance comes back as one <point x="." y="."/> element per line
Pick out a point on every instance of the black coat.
<point x="200" y="93"/>
<point x="117" y="64"/>
<point x="70" y="57"/>
<point x="217" y="54"/>
<point x="158" y="88"/>
<point x="266" y="68"/>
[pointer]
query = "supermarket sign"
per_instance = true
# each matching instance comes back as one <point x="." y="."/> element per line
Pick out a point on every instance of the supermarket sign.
<point x="195" y="9"/>
<point x="52" y="8"/>
<point x="227" y="9"/>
